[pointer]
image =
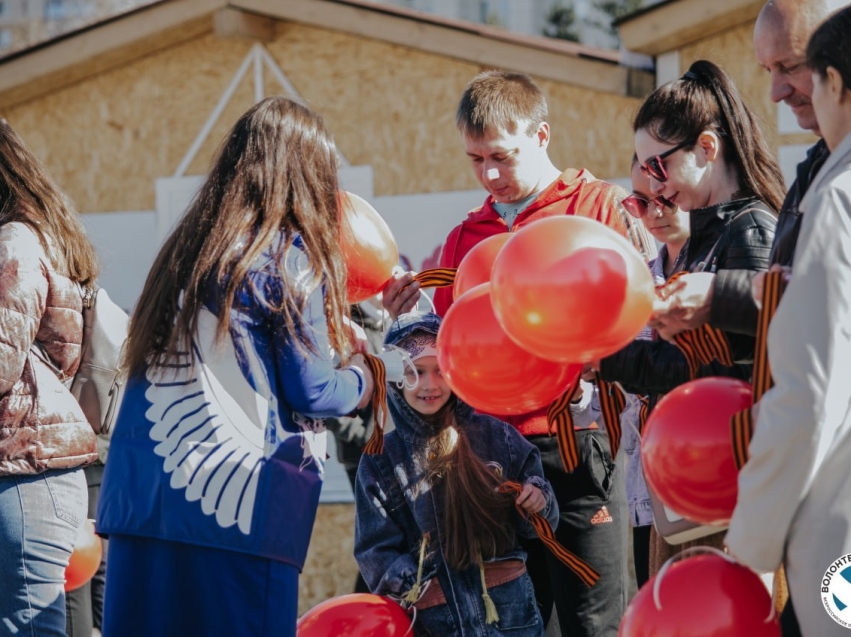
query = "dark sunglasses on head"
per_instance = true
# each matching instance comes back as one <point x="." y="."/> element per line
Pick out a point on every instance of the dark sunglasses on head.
<point x="639" y="206"/>
<point x="655" y="166"/>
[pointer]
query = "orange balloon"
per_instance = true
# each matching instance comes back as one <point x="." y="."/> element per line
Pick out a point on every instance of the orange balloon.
<point x="486" y="368"/>
<point x="568" y="288"/>
<point x="86" y="557"/>
<point x="702" y="596"/>
<point x="475" y="267"/>
<point x="369" y="249"/>
<point x="687" y="452"/>
<point x="356" y="615"/>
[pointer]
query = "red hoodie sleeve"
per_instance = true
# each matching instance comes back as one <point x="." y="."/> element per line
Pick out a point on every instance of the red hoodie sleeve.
<point x="443" y="296"/>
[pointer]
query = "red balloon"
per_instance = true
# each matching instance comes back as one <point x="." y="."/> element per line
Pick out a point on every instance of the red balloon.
<point x="687" y="452"/>
<point x="568" y="288"/>
<point x="702" y="596"/>
<point x="369" y="249"/>
<point x="487" y="369"/>
<point x="356" y="615"/>
<point x="86" y="557"/>
<point x="475" y="267"/>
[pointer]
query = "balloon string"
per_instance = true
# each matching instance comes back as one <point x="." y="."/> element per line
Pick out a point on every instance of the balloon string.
<point x="742" y="423"/>
<point x="436" y="277"/>
<point x="375" y="445"/>
<point x="429" y="302"/>
<point x="542" y="528"/>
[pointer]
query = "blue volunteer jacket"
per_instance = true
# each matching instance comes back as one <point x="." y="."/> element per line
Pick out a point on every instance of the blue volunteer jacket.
<point x="226" y="448"/>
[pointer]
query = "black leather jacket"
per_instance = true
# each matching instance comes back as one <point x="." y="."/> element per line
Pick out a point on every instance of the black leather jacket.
<point x="736" y="234"/>
<point x="733" y="308"/>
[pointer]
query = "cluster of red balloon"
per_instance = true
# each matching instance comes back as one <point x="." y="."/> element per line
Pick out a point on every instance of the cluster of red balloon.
<point x="86" y="557"/>
<point x="702" y="596"/>
<point x="531" y="306"/>
<point x="486" y="368"/>
<point x="356" y="615"/>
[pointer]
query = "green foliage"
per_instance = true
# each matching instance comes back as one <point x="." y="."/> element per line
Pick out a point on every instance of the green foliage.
<point x="561" y="23"/>
<point x="617" y="9"/>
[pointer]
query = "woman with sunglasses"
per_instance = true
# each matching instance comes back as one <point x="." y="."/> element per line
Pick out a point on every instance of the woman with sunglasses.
<point x="668" y="226"/>
<point x="702" y="151"/>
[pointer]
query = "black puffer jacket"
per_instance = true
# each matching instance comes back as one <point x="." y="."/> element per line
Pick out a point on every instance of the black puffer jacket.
<point x="733" y="308"/>
<point x="735" y="235"/>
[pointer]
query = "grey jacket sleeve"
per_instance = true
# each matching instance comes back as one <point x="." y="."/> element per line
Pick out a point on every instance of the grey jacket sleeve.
<point x="806" y="414"/>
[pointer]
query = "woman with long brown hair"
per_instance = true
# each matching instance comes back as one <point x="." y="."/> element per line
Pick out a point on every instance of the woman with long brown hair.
<point x="432" y="530"/>
<point x="216" y="461"/>
<point x="45" y="438"/>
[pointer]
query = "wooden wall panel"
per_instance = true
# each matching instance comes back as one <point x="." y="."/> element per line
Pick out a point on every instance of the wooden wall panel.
<point x="733" y="51"/>
<point x="330" y="569"/>
<point x="108" y="138"/>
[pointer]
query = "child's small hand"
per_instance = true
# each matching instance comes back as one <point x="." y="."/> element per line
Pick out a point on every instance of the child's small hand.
<point x="531" y="499"/>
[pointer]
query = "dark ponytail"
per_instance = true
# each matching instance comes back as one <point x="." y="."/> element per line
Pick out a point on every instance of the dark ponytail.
<point x="705" y="98"/>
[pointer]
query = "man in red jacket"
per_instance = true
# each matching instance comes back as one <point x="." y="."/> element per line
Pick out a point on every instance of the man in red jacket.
<point x="503" y="120"/>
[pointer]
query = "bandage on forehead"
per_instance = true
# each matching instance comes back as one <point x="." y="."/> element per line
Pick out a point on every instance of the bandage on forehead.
<point x="419" y="344"/>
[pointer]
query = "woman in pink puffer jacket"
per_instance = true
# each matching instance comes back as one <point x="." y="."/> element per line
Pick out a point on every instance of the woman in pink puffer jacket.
<point x="45" y="440"/>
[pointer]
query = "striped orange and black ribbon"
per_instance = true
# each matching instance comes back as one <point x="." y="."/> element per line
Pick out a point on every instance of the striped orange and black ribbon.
<point x="742" y="423"/>
<point x="560" y="422"/>
<point x="612" y="403"/>
<point x="375" y="445"/>
<point x="702" y="346"/>
<point x="436" y="277"/>
<point x="542" y="528"/>
<point x="643" y="412"/>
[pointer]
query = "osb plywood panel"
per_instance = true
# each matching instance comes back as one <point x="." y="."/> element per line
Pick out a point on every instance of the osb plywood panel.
<point x="108" y="138"/>
<point x="591" y="130"/>
<point x="400" y="116"/>
<point x="386" y="105"/>
<point x="733" y="51"/>
<point x="330" y="569"/>
<point x="798" y="138"/>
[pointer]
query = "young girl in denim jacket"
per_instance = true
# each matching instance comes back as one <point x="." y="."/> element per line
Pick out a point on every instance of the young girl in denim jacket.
<point x="432" y="531"/>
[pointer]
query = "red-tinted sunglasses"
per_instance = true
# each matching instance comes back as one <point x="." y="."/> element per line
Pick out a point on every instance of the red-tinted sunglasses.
<point x="639" y="206"/>
<point x="655" y="166"/>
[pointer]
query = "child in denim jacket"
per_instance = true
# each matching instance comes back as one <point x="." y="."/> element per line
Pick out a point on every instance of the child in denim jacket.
<point x="432" y="531"/>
